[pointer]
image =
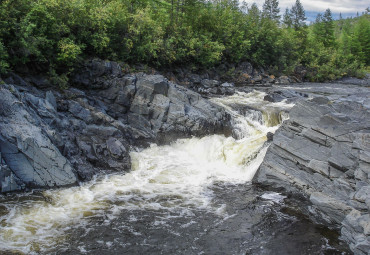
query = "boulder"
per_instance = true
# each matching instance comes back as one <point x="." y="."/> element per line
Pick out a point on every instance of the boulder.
<point x="32" y="159"/>
<point x="276" y="95"/>
<point x="174" y="109"/>
<point x="324" y="151"/>
<point x="283" y="80"/>
<point x="52" y="139"/>
<point x="246" y="67"/>
<point x="206" y="83"/>
<point x="96" y="74"/>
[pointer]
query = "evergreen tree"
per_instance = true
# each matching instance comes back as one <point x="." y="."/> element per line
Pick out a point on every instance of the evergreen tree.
<point x="318" y="30"/>
<point x="298" y="15"/>
<point x="287" y="18"/>
<point x="362" y="39"/>
<point x="328" y="29"/>
<point x="271" y="10"/>
<point x="339" y="25"/>
<point x="55" y="35"/>
<point x="254" y="14"/>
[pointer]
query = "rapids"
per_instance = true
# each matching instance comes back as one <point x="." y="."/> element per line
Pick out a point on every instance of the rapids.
<point x="180" y="180"/>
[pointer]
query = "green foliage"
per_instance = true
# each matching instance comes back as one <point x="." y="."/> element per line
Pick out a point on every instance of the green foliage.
<point x="287" y="18"/>
<point x="145" y="37"/>
<point x="69" y="51"/>
<point x="362" y="39"/>
<point x="53" y="36"/>
<point x="3" y="59"/>
<point x="298" y="15"/>
<point x="323" y="29"/>
<point x="59" y="80"/>
<point x="271" y="10"/>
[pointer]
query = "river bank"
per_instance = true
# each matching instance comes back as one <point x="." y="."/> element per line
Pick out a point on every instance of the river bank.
<point x="56" y="138"/>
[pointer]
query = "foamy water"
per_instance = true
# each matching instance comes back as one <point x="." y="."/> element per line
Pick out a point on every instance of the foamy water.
<point x="174" y="177"/>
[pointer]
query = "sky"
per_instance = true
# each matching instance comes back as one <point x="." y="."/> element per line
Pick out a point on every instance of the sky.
<point x="348" y="8"/>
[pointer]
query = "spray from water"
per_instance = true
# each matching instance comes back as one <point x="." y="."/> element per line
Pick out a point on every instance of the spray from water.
<point x="173" y="177"/>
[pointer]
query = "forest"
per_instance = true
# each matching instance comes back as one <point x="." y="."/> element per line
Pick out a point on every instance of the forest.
<point x="54" y="36"/>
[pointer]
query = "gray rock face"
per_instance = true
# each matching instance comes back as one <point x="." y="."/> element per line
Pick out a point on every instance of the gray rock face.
<point x="160" y="109"/>
<point x="32" y="159"/>
<point x="277" y="95"/>
<point x="324" y="151"/>
<point x="53" y="139"/>
<point x="97" y="74"/>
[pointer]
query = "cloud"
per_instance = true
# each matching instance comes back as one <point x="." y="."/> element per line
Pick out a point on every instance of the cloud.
<point x="336" y="6"/>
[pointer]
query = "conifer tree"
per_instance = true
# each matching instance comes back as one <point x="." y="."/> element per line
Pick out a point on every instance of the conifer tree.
<point x="362" y="39"/>
<point x="298" y="15"/>
<point x="318" y="27"/>
<point x="287" y="18"/>
<point x="271" y="10"/>
<point x="328" y="29"/>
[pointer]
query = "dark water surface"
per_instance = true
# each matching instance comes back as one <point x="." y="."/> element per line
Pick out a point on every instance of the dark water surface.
<point x="191" y="197"/>
<point x="248" y="224"/>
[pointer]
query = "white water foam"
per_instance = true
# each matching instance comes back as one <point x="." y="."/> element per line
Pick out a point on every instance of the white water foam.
<point x="173" y="177"/>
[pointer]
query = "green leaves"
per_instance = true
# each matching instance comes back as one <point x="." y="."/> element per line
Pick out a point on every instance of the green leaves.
<point x="69" y="51"/>
<point x="145" y="37"/>
<point x="4" y="65"/>
<point x="54" y="35"/>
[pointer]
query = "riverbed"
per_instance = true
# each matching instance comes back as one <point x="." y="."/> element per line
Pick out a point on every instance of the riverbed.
<point x="193" y="196"/>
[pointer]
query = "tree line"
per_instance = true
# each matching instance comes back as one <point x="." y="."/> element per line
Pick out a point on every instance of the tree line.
<point x="53" y="36"/>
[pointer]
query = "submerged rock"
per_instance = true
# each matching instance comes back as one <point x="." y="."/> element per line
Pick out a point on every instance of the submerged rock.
<point x="324" y="151"/>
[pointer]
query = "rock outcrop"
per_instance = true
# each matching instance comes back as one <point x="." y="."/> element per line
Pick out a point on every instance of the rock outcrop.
<point x="54" y="138"/>
<point x="28" y="156"/>
<point x="226" y="78"/>
<point x="323" y="150"/>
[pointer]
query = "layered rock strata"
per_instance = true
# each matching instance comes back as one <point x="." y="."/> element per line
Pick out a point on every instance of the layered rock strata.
<point x="324" y="151"/>
<point x="55" y="138"/>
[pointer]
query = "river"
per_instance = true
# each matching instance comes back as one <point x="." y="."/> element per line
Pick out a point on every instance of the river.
<point x="193" y="196"/>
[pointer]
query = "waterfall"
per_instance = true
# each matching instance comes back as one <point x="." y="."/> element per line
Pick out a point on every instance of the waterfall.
<point x="172" y="177"/>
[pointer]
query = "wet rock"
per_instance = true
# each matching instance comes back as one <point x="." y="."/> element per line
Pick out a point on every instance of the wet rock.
<point x="115" y="147"/>
<point x="82" y="132"/>
<point x="283" y="80"/>
<point x="96" y="74"/>
<point x="39" y="81"/>
<point x="246" y="67"/>
<point x="9" y="181"/>
<point x="270" y="136"/>
<point x="206" y="83"/>
<point x="51" y="99"/>
<point x="257" y="78"/>
<point x="269" y="79"/>
<point x="32" y="159"/>
<point x="175" y="109"/>
<point x="300" y="73"/>
<point x="125" y="96"/>
<point x="276" y="95"/>
<point x="194" y="78"/>
<point x="355" y="81"/>
<point x="227" y="85"/>
<point x="15" y="79"/>
<point x="318" y="151"/>
<point x="79" y="112"/>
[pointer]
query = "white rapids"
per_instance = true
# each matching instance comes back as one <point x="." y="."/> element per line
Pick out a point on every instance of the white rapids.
<point x="171" y="177"/>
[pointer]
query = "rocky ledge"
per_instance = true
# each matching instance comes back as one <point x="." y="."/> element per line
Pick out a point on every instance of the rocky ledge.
<point x="54" y="138"/>
<point x="323" y="150"/>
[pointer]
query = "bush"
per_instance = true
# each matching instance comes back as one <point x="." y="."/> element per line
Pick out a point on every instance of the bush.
<point x="52" y="36"/>
<point x="4" y="65"/>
